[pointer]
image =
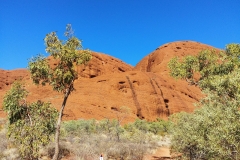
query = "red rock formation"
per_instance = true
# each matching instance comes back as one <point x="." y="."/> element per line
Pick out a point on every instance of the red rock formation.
<point x="106" y="84"/>
<point x="157" y="61"/>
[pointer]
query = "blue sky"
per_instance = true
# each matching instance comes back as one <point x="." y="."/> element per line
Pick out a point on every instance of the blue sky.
<point x="126" y="29"/>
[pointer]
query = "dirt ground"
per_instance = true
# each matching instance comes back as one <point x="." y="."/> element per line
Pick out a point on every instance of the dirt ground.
<point x="162" y="153"/>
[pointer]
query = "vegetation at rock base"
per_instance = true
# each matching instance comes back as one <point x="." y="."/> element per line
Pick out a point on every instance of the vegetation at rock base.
<point x="87" y="139"/>
<point x="213" y="130"/>
<point x="61" y="77"/>
<point x="101" y="136"/>
<point x="30" y="125"/>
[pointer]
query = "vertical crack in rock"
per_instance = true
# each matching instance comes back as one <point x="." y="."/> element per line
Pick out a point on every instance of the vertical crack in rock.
<point x="178" y="97"/>
<point x="134" y="95"/>
<point x="149" y="64"/>
<point x="159" y="109"/>
<point x="164" y="100"/>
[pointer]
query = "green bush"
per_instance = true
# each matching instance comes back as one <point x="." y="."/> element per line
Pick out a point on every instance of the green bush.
<point x="80" y="126"/>
<point x="142" y="125"/>
<point x="158" y="127"/>
<point x="211" y="132"/>
<point x="29" y="125"/>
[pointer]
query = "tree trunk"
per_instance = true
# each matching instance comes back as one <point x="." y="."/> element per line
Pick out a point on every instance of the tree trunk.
<point x="56" y="153"/>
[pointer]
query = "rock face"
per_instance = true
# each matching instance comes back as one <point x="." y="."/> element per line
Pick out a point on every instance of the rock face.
<point x="100" y="64"/>
<point x="157" y="61"/>
<point x="106" y="84"/>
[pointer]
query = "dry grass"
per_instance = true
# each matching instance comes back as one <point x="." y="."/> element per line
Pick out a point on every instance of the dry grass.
<point x="90" y="145"/>
<point x="7" y="152"/>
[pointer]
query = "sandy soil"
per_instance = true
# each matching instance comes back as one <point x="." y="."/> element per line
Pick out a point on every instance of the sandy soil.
<point x="162" y="153"/>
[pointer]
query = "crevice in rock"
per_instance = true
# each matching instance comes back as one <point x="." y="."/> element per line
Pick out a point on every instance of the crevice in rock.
<point x="134" y="95"/>
<point x="114" y="108"/>
<point x="165" y="100"/>
<point x="102" y="80"/>
<point x="92" y="76"/>
<point x="120" y="69"/>
<point x="121" y="82"/>
<point x="149" y="64"/>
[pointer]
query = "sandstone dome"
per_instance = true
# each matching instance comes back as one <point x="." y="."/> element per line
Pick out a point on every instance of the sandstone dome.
<point x="107" y="83"/>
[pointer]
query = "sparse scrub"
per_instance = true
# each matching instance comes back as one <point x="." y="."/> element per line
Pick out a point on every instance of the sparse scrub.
<point x="127" y="151"/>
<point x="89" y="143"/>
<point x="88" y="139"/>
<point x="64" y="149"/>
<point x="3" y="139"/>
<point x="7" y="150"/>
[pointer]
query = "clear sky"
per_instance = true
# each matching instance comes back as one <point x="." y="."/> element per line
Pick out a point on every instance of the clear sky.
<point x="126" y="29"/>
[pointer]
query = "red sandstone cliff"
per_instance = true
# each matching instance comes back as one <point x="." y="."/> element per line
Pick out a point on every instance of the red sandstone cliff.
<point x="107" y="83"/>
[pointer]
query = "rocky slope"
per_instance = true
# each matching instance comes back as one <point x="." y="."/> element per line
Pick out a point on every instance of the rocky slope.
<point x="107" y="83"/>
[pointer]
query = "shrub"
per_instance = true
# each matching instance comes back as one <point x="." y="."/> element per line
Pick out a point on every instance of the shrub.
<point x="211" y="132"/>
<point x="80" y="126"/>
<point x="29" y="125"/>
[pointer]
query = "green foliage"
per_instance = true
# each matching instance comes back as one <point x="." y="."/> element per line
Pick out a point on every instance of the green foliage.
<point x="67" y="53"/>
<point x="14" y="102"/>
<point x="159" y="126"/>
<point x="80" y="126"/>
<point x="183" y="69"/>
<point x="106" y="126"/>
<point x="30" y="125"/>
<point x="110" y="127"/>
<point x="212" y="131"/>
<point x="141" y="125"/>
<point x="233" y="50"/>
<point x="215" y="69"/>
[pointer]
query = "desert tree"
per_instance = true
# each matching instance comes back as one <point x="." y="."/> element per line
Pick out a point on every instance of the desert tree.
<point x="113" y="127"/>
<point x="61" y="77"/>
<point x="123" y="112"/>
<point x="212" y="130"/>
<point x="30" y="125"/>
<point x="209" y="69"/>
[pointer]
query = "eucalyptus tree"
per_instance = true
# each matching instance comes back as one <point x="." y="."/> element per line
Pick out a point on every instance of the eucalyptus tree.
<point x="30" y="125"/>
<point x="212" y="131"/>
<point x="61" y="77"/>
<point x="210" y="69"/>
